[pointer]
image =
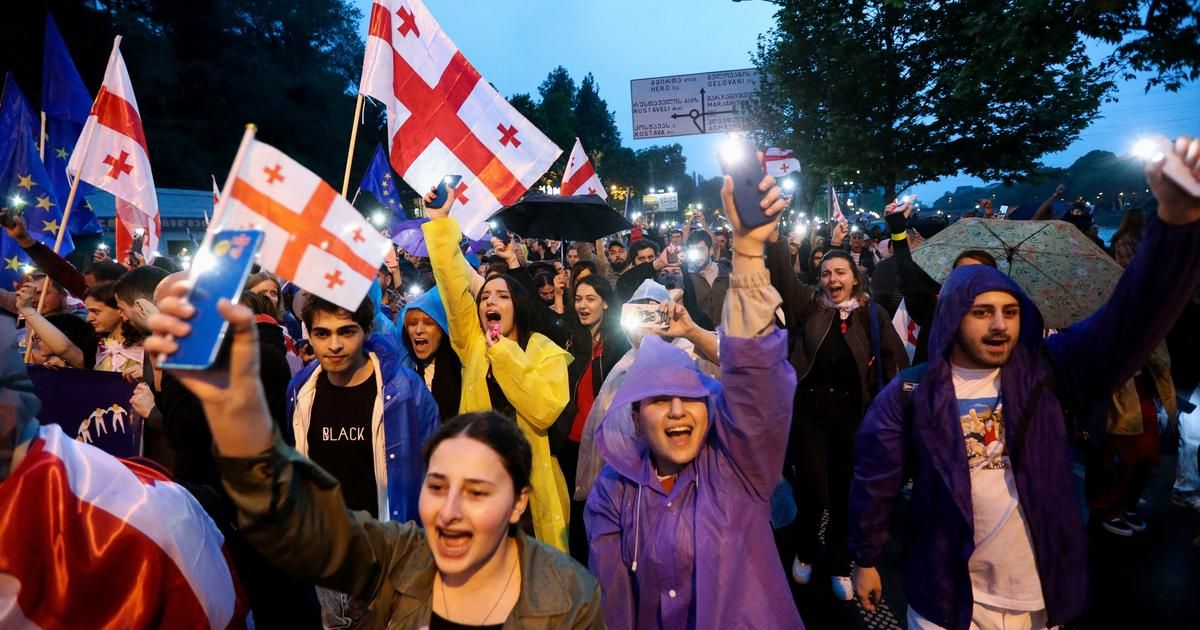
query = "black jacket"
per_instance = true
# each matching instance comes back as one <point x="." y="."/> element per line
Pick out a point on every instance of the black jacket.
<point x="808" y="321"/>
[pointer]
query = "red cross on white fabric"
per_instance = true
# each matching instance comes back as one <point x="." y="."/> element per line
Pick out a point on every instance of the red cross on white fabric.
<point x="358" y="236"/>
<point x="434" y="116"/>
<point x="458" y="193"/>
<point x="118" y="166"/>
<point x="783" y="167"/>
<point x="508" y="135"/>
<point x="274" y="174"/>
<point x="304" y="229"/>
<point x="335" y="279"/>
<point x="591" y="190"/>
<point x="408" y="22"/>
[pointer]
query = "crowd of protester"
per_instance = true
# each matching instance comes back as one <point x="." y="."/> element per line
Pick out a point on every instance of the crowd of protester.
<point x="488" y="443"/>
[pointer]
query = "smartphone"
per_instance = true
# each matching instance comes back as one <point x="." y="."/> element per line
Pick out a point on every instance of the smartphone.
<point x="635" y="316"/>
<point x="672" y="255"/>
<point x="739" y="160"/>
<point x="499" y="231"/>
<point x="139" y="242"/>
<point x="232" y="256"/>
<point x="448" y="183"/>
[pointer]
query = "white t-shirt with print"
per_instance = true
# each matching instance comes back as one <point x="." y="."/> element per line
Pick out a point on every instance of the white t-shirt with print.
<point x="1003" y="571"/>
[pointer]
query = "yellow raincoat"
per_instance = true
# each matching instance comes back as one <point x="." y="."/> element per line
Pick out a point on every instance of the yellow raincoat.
<point x="534" y="379"/>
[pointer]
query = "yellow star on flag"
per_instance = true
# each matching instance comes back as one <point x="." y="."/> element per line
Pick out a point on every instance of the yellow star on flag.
<point x="44" y="202"/>
<point x="61" y="152"/>
<point x="26" y="182"/>
<point x="13" y="263"/>
<point x="50" y="226"/>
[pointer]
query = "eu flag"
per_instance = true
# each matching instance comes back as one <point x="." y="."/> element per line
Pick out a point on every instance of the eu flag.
<point x="379" y="181"/>
<point x="66" y="103"/>
<point x="24" y="184"/>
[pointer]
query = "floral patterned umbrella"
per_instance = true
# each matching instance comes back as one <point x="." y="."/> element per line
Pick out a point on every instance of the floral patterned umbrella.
<point x="1059" y="267"/>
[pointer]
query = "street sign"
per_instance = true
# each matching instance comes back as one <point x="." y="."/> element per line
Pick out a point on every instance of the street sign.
<point x="689" y="104"/>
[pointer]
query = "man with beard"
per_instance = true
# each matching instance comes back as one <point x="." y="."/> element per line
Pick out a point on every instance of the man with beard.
<point x="996" y="538"/>
<point x="618" y="256"/>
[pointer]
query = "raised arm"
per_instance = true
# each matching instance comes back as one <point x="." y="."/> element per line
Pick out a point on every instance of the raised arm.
<point x="55" y="340"/>
<point x="442" y="236"/>
<point x="1044" y="211"/>
<point x="289" y="508"/>
<point x="759" y="381"/>
<point x="920" y="291"/>
<point x="44" y="257"/>
<point x="1098" y="354"/>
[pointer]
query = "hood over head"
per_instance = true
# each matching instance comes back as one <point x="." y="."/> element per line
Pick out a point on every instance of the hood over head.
<point x="958" y="293"/>
<point x="660" y="369"/>
<point x="430" y="303"/>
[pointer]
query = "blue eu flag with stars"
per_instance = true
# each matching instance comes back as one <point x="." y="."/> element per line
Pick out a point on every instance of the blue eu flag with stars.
<point x="379" y="181"/>
<point x="24" y="184"/>
<point x="66" y="103"/>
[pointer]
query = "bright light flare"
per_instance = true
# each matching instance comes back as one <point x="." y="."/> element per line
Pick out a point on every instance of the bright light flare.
<point x="203" y="262"/>
<point x="378" y="219"/>
<point x="789" y="185"/>
<point x="1149" y="149"/>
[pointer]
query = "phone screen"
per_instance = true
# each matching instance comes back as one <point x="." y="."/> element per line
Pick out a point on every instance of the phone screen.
<point x="223" y="276"/>
<point x="448" y="183"/>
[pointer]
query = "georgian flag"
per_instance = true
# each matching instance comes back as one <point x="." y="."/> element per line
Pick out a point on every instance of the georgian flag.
<point x="580" y="178"/>
<point x="111" y="155"/>
<point x="907" y="328"/>
<point x="835" y="209"/>
<point x="91" y="541"/>
<point x="314" y="237"/>
<point x="780" y="162"/>
<point x="445" y="119"/>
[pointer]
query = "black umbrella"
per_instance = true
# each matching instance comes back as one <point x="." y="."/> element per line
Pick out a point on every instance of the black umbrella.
<point x="560" y="218"/>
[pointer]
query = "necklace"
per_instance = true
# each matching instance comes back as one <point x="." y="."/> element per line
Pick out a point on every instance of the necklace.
<point x="512" y="571"/>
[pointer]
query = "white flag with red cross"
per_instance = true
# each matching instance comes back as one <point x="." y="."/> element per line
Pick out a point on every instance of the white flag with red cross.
<point x="314" y="237"/>
<point x="580" y="178"/>
<point x="445" y="119"/>
<point x="111" y="155"/>
<point x="780" y="162"/>
<point x="835" y="209"/>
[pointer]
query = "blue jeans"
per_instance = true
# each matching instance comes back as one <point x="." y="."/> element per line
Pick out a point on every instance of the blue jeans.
<point x="1187" y="477"/>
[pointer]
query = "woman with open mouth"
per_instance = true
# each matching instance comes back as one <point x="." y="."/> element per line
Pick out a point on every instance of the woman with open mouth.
<point x="679" y="520"/>
<point x="506" y="366"/>
<point x="425" y="333"/>
<point x="844" y="351"/>
<point x="467" y="564"/>
<point x="597" y="342"/>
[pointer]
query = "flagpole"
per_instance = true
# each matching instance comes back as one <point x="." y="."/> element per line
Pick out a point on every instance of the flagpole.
<point x="42" y="140"/>
<point x="62" y="228"/>
<point x="226" y="192"/>
<point x="358" y="107"/>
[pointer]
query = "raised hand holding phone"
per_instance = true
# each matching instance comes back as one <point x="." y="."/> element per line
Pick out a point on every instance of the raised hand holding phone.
<point x="220" y="275"/>
<point x="441" y="193"/>
<point x="743" y="164"/>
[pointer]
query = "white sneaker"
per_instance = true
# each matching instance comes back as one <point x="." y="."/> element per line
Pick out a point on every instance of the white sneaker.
<point x="801" y="571"/>
<point x="843" y="588"/>
<point x="1186" y="500"/>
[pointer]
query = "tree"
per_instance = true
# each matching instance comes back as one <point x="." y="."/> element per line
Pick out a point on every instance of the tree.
<point x="594" y="122"/>
<point x="556" y="111"/>
<point x="203" y="69"/>
<point x="894" y="94"/>
<point x="1161" y="37"/>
